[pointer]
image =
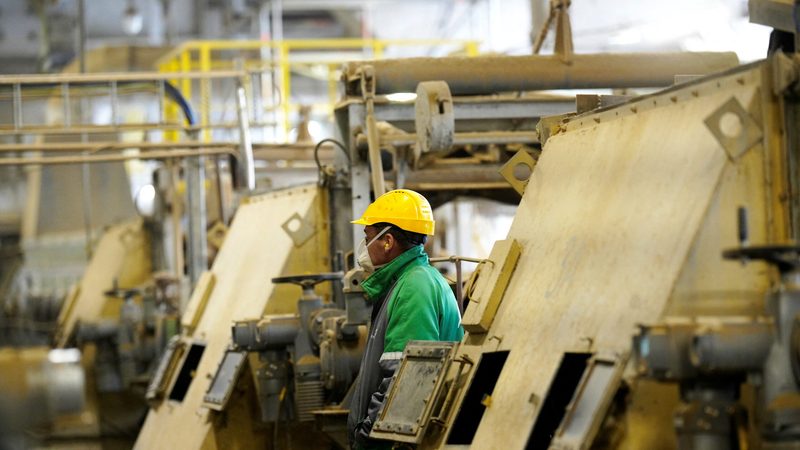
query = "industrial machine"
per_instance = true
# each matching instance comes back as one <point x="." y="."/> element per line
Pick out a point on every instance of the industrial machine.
<point x="212" y="388"/>
<point x="312" y="358"/>
<point x="39" y="387"/>
<point x="255" y="366"/>
<point x="645" y="296"/>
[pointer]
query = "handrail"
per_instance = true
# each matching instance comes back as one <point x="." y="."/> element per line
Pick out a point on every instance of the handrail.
<point x="199" y="55"/>
<point x="469" y="45"/>
<point x="61" y="78"/>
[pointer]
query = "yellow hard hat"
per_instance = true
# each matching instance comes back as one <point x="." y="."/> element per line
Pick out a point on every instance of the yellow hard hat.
<point x="406" y="209"/>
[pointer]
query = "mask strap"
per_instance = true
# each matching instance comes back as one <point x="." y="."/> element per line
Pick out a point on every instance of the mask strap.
<point x="385" y="229"/>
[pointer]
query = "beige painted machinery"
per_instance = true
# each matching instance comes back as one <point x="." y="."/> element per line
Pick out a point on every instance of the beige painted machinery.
<point x="257" y="367"/>
<point x="217" y="389"/>
<point x="622" y="223"/>
<point x="646" y="294"/>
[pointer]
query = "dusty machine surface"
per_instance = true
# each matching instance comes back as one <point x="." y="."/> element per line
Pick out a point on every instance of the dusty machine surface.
<point x="206" y="393"/>
<point x="646" y="294"/>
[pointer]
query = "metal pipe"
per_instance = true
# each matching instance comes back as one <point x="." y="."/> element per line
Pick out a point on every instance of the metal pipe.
<point x="162" y="95"/>
<point x="246" y="168"/>
<point x="454" y="259"/>
<point x="222" y="206"/>
<point x="167" y="28"/>
<point x="67" y="106"/>
<point x="277" y="20"/>
<point x="374" y="149"/>
<point x="274" y="331"/>
<point x="367" y="83"/>
<point x="176" y="213"/>
<point x="94" y="147"/>
<point x="196" y="193"/>
<point x="86" y="193"/>
<point x="492" y="74"/>
<point x="17" y="106"/>
<point x="456" y="176"/>
<point x="82" y="35"/>
<point x="732" y="348"/>
<point x="266" y="152"/>
<point x="51" y="160"/>
<point x="114" y="103"/>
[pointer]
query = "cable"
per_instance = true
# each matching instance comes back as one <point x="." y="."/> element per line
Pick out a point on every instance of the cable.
<point x="332" y="141"/>
<point x="173" y="93"/>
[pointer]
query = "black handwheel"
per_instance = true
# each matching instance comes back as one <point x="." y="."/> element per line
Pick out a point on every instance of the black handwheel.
<point x="121" y="293"/>
<point x="785" y="257"/>
<point x="310" y="280"/>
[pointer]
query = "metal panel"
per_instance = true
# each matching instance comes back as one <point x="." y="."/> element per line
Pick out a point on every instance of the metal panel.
<point x="586" y="411"/>
<point x="166" y="367"/>
<point x="508" y="171"/>
<point x="299" y="229"/>
<point x="734" y="128"/>
<point x="490" y="286"/>
<point x="219" y="392"/>
<point x="413" y="392"/>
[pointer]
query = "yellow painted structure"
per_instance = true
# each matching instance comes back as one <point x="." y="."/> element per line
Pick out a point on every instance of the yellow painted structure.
<point x="209" y="55"/>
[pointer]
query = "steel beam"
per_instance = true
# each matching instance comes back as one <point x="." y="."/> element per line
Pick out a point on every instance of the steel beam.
<point x="466" y="138"/>
<point x="483" y="109"/>
<point x="451" y="176"/>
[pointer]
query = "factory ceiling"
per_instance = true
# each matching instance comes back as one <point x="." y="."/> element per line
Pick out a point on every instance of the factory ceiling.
<point x="41" y="35"/>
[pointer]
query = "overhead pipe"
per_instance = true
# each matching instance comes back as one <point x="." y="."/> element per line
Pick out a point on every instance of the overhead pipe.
<point x="492" y="74"/>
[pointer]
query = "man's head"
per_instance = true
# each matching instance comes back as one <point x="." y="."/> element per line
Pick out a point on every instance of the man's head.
<point x="387" y="245"/>
<point x="394" y="222"/>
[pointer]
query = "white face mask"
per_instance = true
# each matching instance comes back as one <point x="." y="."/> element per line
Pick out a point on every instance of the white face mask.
<point x="364" y="260"/>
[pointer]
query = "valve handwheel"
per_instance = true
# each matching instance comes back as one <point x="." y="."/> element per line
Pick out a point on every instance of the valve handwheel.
<point x="785" y="257"/>
<point x="310" y="280"/>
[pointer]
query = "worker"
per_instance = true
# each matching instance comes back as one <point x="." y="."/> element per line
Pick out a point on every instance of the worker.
<point x="410" y="299"/>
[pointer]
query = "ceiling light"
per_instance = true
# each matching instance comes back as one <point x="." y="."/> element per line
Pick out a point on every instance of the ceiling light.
<point x="145" y="201"/>
<point x="132" y="20"/>
<point x="401" y="97"/>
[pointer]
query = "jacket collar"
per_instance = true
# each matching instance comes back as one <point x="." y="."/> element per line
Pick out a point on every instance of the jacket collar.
<point x="382" y="279"/>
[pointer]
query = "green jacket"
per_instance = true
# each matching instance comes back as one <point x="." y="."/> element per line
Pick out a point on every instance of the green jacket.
<point x="422" y="306"/>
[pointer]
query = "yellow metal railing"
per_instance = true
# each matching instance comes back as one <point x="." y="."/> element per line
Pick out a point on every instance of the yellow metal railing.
<point x="278" y="59"/>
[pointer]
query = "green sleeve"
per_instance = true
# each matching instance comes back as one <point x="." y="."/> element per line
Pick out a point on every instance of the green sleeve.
<point x="412" y="312"/>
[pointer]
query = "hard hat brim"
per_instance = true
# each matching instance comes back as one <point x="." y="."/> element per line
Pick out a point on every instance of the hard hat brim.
<point x="412" y="225"/>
